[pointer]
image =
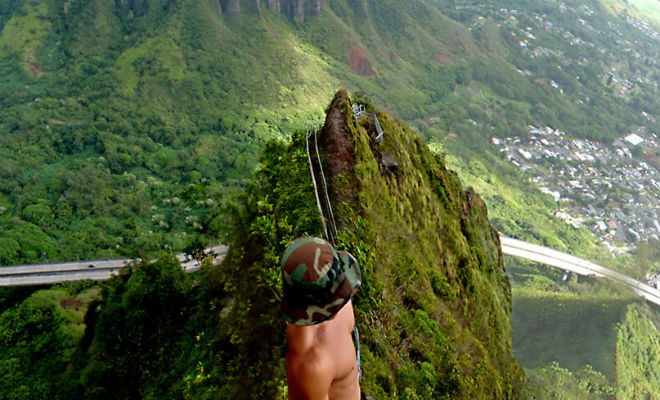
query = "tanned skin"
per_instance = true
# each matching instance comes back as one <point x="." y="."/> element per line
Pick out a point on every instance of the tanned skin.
<point x="320" y="362"/>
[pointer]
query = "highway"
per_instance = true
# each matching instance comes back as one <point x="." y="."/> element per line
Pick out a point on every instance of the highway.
<point x="48" y="274"/>
<point x="567" y="262"/>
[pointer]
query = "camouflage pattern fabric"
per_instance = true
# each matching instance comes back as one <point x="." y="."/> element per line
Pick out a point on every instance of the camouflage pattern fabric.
<point x="317" y="280"/>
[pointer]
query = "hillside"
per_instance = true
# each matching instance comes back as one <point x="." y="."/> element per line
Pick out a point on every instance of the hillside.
<point x="126" y="127"/>
<point x="434" y="310"/>
<point x="123" y="124"/>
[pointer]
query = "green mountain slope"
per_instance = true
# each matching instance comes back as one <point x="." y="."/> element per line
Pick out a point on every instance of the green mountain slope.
<point x="435" y="306"/>
<point x="434" y="310"/>
<point x="638" y="349"/>
<point x="124" y="123"/>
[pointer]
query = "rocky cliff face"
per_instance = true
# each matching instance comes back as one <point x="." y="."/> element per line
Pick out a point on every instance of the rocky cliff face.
<point x="298" y="9"/>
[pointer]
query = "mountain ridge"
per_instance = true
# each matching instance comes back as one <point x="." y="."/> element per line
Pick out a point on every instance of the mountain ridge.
<point x="435" y="299"/>
<point x="126" y="127"/>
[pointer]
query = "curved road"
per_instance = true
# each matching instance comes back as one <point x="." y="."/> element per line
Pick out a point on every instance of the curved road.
<point x="544" y="255"/>
<point x="47" y="274"/>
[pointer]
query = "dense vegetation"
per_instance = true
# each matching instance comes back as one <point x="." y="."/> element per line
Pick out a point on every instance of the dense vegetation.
<point x="555" y="382"/>
<point x="434" y="309"/>
<point x="638" y="351"/>
<point x="38" y="338"/>
<point x="554" y="326"/>
<point x="582" y="339"/>
<point x="123" y="126"/>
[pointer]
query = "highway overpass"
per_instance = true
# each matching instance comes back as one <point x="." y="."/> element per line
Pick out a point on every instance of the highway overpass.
<point x="567" y="262"/>
<point x="48" y="274"/>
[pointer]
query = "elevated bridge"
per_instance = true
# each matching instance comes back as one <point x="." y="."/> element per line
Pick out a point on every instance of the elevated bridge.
<point x="48" y="274"/>
<point x="567" y="262"/>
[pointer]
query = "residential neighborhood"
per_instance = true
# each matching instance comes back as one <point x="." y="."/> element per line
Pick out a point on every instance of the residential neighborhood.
<point x="612" y="190"/>
<point x="527" y="31"/>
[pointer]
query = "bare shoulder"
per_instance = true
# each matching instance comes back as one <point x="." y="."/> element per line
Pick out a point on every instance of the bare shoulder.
<point x="310" y="373"/>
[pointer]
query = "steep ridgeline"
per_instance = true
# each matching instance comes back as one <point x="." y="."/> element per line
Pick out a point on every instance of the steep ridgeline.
<point x="434" y="310"/>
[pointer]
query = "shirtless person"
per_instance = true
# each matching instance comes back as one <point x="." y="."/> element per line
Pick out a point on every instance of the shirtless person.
<point x="321" y="360"/>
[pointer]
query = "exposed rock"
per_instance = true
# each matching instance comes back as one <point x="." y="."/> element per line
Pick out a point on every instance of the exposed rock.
<point x="253" y="4"/>
<point x="337" y="143"/>
<point x="317" y="7"/>
<point x="32" y="65"/>
<point x="337" y="139"/>
<point x="389" y="162"/>
<point x="293" y="8"/>
<point x="232" y="8"/>
<point x="360" y="61"/>
<point x="440" y="58"/>
<point x="135" y="5"/>
<point x="72" y="302"/>
<point x="393" y="57"/>
<point x="298" y="9"/>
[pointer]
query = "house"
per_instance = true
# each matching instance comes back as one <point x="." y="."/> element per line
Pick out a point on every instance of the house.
<point x="634" y="139"/>
<point x="527" y="155"/>
<point x="555" y="194"/>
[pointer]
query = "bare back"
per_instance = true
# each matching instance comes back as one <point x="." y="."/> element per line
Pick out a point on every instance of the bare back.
<point x="321" y="361"/>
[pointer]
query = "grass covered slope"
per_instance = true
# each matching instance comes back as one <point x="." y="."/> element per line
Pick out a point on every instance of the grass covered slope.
<point x="571" y="329"/>
<point x="436" y="256"/>
<point x="638" y="354"/>
<point x="435" y="309"/>
<point x="556" y="383"/>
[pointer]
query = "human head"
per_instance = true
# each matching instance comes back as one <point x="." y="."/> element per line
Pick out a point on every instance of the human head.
<point x="317" y="280"/>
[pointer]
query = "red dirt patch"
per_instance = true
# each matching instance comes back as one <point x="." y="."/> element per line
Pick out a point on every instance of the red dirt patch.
<point x="359" y="61"/>
<point x="440" y="58"/>
<point x="32" y="65"/>
<point x="72" y="302"/>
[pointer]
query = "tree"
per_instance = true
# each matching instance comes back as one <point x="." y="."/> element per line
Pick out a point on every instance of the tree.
<point x="131" y="344"/>
<point x="9" y="251"/>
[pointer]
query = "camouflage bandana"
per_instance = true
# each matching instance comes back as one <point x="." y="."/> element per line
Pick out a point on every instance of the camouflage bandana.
<point x="317" y="280"/>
